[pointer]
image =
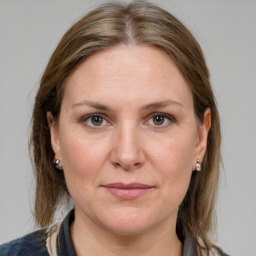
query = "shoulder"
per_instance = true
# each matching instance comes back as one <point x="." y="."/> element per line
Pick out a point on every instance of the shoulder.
<point x="30" y="245"/>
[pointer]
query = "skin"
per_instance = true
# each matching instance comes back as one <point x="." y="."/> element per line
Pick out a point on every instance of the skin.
<point x="127" y="145"/>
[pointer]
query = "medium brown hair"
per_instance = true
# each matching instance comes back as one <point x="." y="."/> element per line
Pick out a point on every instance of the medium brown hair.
<point x="138" y="23"/>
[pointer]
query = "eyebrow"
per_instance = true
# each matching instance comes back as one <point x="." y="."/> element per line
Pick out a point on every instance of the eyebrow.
<point x="154" y="105"/>
<point x="161" y="104"/>
<point x="91" y="104"/>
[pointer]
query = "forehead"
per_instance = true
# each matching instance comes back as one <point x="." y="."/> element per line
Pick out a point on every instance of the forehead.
<point x="136" y="73"/>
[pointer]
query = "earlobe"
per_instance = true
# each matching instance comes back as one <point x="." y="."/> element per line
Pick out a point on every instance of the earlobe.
<point x="53" y="133"/>
<point x="203" y="131"/>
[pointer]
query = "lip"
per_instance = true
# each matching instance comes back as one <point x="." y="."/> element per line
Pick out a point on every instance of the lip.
<point x="128" y="191"/>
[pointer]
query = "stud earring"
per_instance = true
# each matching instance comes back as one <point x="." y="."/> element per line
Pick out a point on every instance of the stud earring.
<point x="57" y="164"/>
<point x="198" y="165"/>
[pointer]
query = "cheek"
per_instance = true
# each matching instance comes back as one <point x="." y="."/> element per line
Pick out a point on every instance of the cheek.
<point x="175" y="162"/>
<point x="175" y="152"/>
<point x="83" y="159"/>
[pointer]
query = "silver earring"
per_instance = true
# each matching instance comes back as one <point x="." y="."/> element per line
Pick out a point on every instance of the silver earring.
<point x="57" y="164"/>
<point x="198" y="165"/>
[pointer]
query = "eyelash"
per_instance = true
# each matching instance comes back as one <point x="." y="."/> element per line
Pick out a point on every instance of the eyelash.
<point x="166" y="116"/>
<point x="85" y="118"/>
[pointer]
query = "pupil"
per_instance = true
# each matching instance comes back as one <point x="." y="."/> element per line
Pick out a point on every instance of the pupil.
<point x="158" y="120"/>
<point x="97" y="120"/>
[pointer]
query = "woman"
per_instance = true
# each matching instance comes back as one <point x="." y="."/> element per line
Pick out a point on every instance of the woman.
<point x="125" y="124"/>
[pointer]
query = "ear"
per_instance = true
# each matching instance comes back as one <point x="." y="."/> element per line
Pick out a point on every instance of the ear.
<point x="203" y="131"/>
<point x="54" y="132"/>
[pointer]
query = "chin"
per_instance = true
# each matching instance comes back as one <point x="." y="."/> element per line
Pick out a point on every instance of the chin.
<point x="129" y="222"/>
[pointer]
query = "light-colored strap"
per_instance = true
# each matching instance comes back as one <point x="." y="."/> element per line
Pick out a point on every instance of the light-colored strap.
<point x="51" y="241"/>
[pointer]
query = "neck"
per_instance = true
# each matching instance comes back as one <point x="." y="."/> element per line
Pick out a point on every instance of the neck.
<point x="91" y="240"/>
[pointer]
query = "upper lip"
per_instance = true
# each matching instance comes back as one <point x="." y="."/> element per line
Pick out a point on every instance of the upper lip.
<point x="128" y="186"/>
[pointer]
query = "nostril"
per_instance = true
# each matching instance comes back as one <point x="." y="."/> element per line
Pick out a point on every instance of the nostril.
<point x="127" y="166"/>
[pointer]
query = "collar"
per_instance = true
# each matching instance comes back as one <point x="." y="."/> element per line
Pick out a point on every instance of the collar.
<point x="65" y="246"/>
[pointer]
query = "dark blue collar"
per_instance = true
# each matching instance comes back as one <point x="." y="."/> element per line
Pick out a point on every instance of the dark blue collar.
<point x="65" y="246"/>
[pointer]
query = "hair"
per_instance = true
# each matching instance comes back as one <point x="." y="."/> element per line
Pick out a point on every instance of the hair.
<point x="109" y="25"/>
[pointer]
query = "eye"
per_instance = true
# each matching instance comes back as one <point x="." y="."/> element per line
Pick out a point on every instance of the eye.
<point x="95" y="120"/>
<point x="160" y="119"/>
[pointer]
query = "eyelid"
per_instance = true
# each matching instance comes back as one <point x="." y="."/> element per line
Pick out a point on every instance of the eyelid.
<point x="86" y="117"/>
<point x="162" y="114"/>
<point x="165" y="115"/>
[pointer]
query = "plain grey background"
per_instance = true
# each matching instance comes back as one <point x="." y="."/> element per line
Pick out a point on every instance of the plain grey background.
<point x="226" y="30"/>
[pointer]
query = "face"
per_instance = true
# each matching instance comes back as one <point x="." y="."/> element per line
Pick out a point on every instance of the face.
<point x="128" y="139"/>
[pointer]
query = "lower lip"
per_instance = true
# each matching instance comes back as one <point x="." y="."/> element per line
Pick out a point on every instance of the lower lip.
<point x="128" y="193"/>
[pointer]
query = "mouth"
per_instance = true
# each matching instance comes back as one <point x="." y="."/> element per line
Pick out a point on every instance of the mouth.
<point x="128" y="191"/>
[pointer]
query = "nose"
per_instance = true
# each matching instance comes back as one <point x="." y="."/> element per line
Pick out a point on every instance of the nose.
<point x="127" y="150"/>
